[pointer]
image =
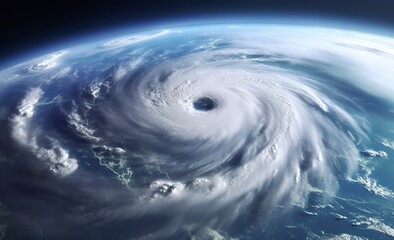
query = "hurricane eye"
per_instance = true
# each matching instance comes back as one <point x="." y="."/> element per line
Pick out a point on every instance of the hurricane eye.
<point x="204" y="104"/>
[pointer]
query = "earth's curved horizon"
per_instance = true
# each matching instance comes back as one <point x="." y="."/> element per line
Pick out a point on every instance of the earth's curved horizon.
<point x="221" y="131"/>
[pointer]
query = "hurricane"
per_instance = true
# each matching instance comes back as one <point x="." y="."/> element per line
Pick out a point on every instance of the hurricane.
<point x="189" y="132"/>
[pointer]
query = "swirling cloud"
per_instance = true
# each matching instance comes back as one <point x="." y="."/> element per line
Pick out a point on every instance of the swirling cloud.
<point x="203" y="128"/>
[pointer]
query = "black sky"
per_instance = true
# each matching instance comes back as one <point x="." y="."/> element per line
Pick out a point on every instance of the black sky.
<point x="31" y="25"/>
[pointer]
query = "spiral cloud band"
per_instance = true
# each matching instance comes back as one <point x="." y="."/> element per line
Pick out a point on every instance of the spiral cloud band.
<point x="194" y="128"/>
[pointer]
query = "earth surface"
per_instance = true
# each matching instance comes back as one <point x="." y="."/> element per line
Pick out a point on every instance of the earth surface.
<point x="249" y="131"/>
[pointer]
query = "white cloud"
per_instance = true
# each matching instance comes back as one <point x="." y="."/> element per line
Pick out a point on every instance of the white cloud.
<point x="373" y="153"/>
<point x="121" y="42"/>
<point x="376" y="225"/>
<point x="76" y="122"/>
<point x="388" y="143"/>
<point x="46" y="62"/>
<point x="55" y="157"/>
<point x="372" y="186"/>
